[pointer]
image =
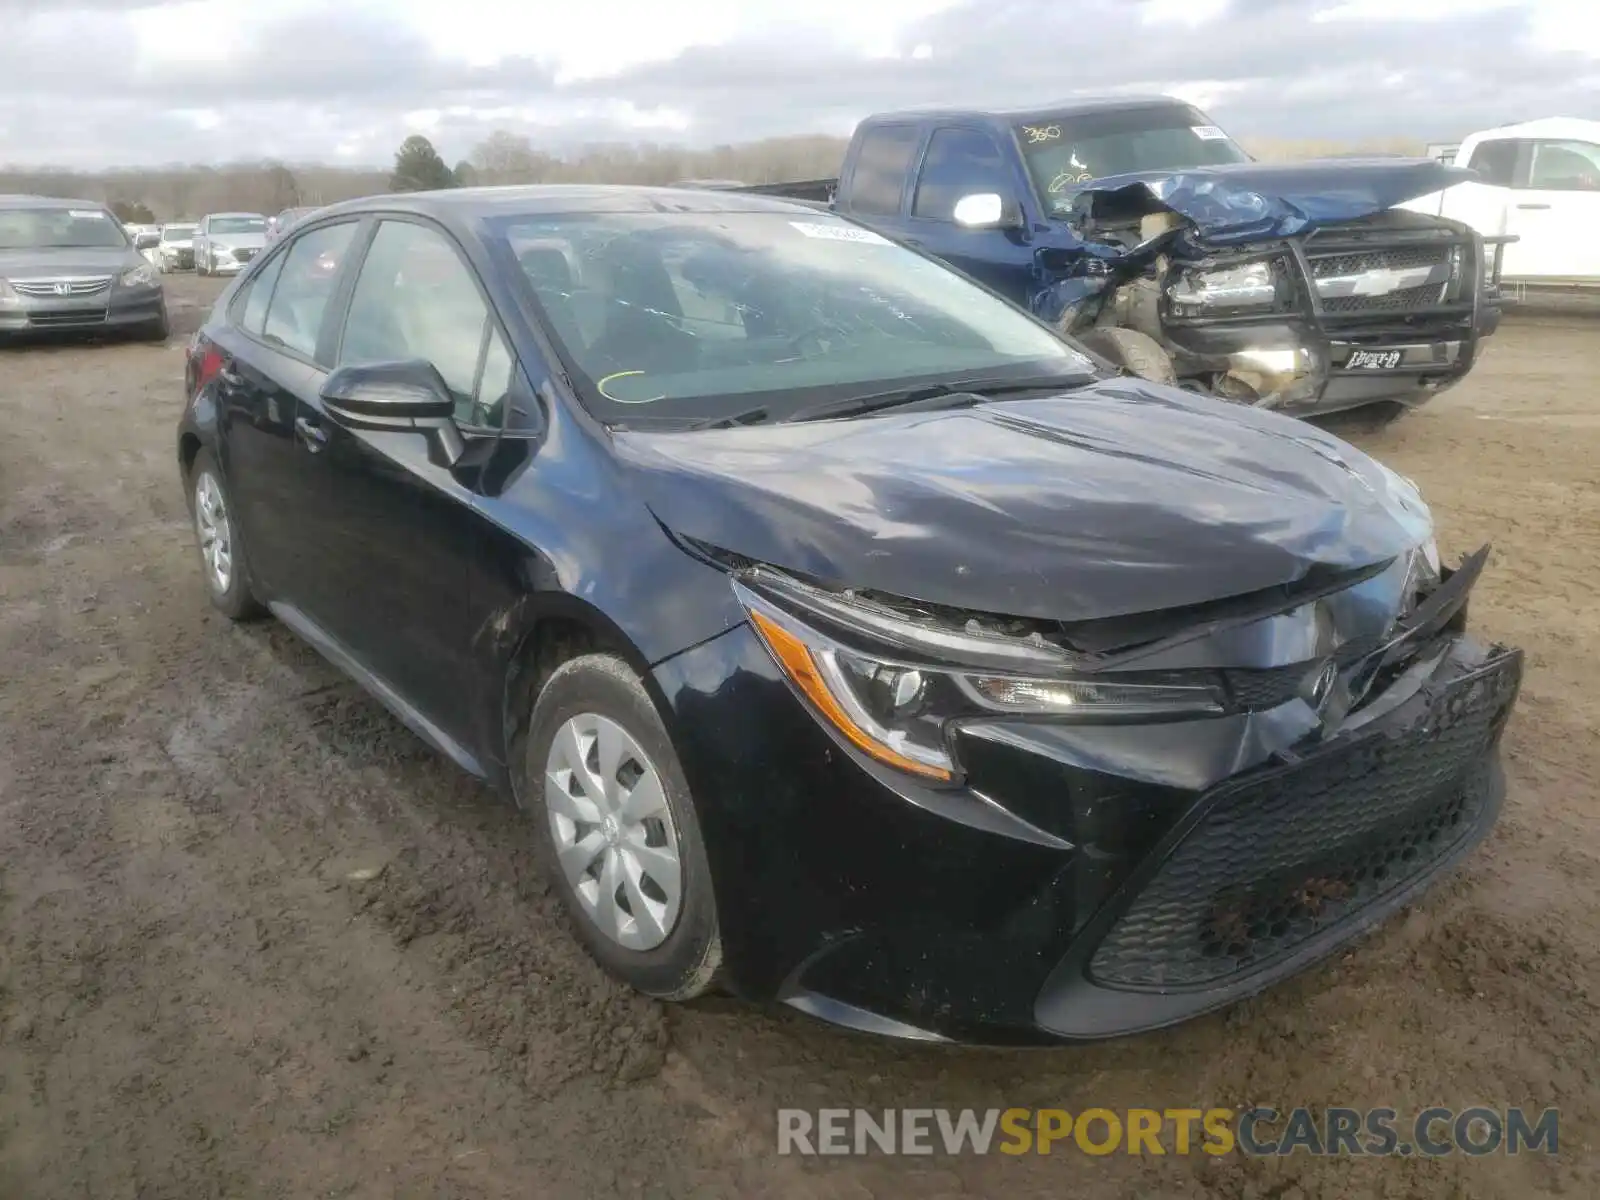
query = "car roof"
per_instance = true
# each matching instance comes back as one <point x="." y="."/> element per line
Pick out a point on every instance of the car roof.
<point x="209" y="216"/>
<point x="1075" y="106"/>
<point x="477" y="203"/>
<point x="1574" y="129"/>
<point x="24" y="201"/>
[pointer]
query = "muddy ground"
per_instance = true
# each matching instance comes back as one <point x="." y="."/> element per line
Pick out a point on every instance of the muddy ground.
<point x="256" y="940"/>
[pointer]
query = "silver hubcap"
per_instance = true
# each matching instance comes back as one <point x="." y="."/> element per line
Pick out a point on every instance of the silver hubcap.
<point x="216" y="535"/>
<point x="613" y="831"/>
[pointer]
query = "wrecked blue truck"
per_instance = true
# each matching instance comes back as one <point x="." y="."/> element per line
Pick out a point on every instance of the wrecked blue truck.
<point x="1141" y="229"/>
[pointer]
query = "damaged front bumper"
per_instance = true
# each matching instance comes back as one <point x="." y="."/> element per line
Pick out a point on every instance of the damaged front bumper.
<point x="1365" y="319"/>
<point x="1082" y="880"/>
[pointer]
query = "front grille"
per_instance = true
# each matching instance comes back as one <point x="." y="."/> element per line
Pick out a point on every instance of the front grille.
<point x="67" y="318"/>
<point x="1256" y="689"/>
<point x="244" y="255"/>
<point x="1425" y="296"/>
<point x="76" y="287"/>
<point x="1390" y="258"/>
<point x="1282" y="856"/>
<point x="1340" y="271"/>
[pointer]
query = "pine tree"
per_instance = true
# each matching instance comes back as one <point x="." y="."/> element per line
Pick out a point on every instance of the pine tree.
<point x="418" y="167"/>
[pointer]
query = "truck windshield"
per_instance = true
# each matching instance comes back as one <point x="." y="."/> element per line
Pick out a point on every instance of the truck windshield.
<point x="59" y="228"/>
<point x="1064" y="153"/>
<point x="695" y="316"/>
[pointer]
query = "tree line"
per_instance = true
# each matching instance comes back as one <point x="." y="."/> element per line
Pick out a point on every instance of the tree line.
<point x="178" y="192"/>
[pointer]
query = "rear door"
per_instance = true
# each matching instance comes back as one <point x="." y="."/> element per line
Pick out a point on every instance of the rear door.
<point x="269" y="342"/>
<point x="874" y="192"/>
<point x="961" y="161"/>
<point x="1555" y="213"/>
<point x="390" y="525"/>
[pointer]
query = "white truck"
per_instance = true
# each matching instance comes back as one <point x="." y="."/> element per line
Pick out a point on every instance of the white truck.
<point x="1540" y="184"/>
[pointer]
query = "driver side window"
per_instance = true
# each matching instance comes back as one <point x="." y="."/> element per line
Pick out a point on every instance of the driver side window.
<point x="416" y="298"/>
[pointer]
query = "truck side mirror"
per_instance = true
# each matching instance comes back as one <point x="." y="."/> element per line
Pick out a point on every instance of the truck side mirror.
<point x="987" y="210"/>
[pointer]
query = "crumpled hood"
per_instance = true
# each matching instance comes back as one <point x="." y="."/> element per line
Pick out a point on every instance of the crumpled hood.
<point x="1120" y="497"/>
<point x="1239" y="202"/>
<point x="92" y="260"/>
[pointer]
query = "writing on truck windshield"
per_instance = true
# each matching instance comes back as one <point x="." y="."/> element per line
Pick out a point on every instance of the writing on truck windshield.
<point x="1064" y="153"/>
<point x="59" y="228"/>
<point x="694" y="316"/>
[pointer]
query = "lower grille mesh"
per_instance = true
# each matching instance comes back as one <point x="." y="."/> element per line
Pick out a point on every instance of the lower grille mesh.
<point x="1277" y="859"/>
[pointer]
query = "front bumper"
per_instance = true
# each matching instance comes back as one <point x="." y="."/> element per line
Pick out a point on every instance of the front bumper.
<point x="112" y="309"/>
<point x="1052" y="897"/>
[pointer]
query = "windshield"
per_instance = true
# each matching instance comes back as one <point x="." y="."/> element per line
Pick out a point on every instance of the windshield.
<point x="1064" y="153"/>
<point x="177" y="233"/>
<point x="696" y="316"/>
<point x="59" y="228"/>
<point x="238" y="224"/>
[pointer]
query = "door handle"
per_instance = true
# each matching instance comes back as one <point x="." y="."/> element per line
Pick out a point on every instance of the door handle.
<point x="313" y="435"/>
<point x="1533" y="206"/>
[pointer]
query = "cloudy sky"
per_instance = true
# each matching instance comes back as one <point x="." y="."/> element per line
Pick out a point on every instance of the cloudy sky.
<point x="131" y="82"/>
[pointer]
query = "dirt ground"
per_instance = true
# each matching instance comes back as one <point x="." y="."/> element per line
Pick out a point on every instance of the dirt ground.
<point x="256" y="940"/>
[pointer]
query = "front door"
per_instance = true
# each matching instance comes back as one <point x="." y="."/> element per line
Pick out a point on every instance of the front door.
<point x="390" y="525"/>
<point x="962" y="161"/>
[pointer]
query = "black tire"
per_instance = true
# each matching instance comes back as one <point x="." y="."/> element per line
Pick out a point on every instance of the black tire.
<point x="237" y="601"/>
<point x="687" y="962"/>
<point x="1137" y="353"/>
<point x="1368" y="419"/>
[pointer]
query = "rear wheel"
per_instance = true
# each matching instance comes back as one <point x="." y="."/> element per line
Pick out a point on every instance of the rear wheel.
<point x="222" y="554"/>
<point x="1137" y="353"/>
<point x="617" y="829"/>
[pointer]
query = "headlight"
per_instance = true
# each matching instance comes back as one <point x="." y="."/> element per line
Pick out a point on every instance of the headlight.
<point x="897" y="707"/>
<point x="1248" y="285"/>
<point x="143" y="275"/>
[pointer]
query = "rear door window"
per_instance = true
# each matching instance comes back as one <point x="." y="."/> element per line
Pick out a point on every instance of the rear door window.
<point x="883" y="160"/>
<point x="1565" y="166"/>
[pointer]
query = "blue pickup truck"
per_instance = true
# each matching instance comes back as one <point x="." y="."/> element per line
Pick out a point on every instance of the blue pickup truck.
<point x="1140" y="228"/>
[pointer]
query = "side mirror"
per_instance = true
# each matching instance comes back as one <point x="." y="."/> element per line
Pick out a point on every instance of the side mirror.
<point x="407" y="395"/>
<point x="147" y="241"/>
<point x="988" y="210"/>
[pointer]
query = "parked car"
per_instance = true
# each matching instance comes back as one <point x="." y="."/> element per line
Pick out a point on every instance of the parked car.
<point x="176" y="251"/>
<point x="851" y="639"/>
<point x="278" y="224"/>
<point x="1139" y="226"/>
<point x="67" y="265"/>
<point x="1537" y="184"/>
<point x="225" y="242"/>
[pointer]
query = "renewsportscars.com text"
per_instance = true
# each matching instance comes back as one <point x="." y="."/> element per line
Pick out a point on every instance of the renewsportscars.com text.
<point x="1430" y="1132"/>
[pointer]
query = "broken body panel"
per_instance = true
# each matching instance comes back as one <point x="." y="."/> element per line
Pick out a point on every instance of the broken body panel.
<point x="1355" y="302"/>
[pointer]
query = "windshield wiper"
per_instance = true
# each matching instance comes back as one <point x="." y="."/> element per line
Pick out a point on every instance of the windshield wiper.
<point x="956" y="394"/>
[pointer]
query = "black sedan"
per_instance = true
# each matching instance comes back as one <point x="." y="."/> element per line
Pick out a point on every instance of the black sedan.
<point x="852" y="640"/>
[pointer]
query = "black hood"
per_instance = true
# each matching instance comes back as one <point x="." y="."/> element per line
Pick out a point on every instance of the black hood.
<point x="68" y="260"/>
<point x="1120" y="497"/>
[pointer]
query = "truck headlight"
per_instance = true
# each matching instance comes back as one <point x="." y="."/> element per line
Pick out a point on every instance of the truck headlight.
<point x="1248" y="285"/>
<point x="897" y="708"/>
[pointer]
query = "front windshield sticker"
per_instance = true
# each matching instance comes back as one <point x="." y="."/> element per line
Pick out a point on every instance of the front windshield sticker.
<point x="839" y="233"/>
<point x="1208" y="133"/>
<point x="86" y="214"/>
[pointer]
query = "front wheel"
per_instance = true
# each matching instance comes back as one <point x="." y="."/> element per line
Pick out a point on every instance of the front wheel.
<point x="617" y="829"/>
<point x="1137" y="353"/>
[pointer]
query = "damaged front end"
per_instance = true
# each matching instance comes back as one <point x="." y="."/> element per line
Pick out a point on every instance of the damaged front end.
<point x="1204" y="801"/>
<point x="1295" y="288"/>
